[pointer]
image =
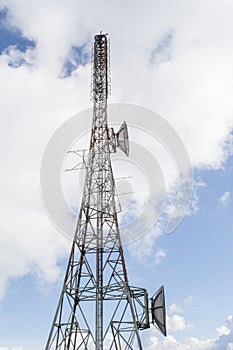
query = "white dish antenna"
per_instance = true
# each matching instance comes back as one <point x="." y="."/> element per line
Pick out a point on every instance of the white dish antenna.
<point x="158" y="311"/>
<point x="122" y="138"/>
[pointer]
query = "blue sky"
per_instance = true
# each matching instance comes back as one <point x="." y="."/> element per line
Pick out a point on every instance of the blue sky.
<point x="12" y="36"/>
<point x="179" y="64"/>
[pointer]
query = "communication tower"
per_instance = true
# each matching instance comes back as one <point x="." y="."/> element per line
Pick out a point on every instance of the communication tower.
<point x="98" y="309"/>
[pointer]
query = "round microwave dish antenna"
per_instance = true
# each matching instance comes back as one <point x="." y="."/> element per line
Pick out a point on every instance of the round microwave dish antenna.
<point x="122" y="138"/>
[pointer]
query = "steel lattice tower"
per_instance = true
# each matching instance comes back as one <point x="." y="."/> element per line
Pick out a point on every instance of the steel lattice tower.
<point x="97" y="309"/>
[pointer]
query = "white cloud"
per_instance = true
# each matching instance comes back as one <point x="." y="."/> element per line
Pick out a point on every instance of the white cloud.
<point x="15" y="58"/>
<point x="194" y="203"/>
<point x="189" y="84"/>
<point x="174" y="308"/>
<point x="225" y="197"/>
<point x="222" y="340"/>
<point x="171" y="343"/>
<point x="177" y="323"/>
<point x="225" y="339"/>
<point x="160" y="254"/>
<point x="223" y="330"/>
<point x="35" y="253"/>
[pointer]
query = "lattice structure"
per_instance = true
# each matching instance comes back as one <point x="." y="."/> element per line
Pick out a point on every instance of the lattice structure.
<point x="97" y="308"/>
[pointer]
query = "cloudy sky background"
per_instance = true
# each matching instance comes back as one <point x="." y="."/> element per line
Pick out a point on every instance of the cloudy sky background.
<point x="173" y="57"/>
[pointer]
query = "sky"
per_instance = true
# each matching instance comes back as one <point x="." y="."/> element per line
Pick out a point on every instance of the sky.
<point x="172" y="57"/>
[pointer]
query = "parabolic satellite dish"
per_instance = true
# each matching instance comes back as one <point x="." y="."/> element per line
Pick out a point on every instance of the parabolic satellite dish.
<point x="122" y="138"/>
<point x="158" y="311"/>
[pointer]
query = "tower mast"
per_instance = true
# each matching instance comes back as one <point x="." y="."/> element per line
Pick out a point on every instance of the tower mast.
<point x="97" y="309"/>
